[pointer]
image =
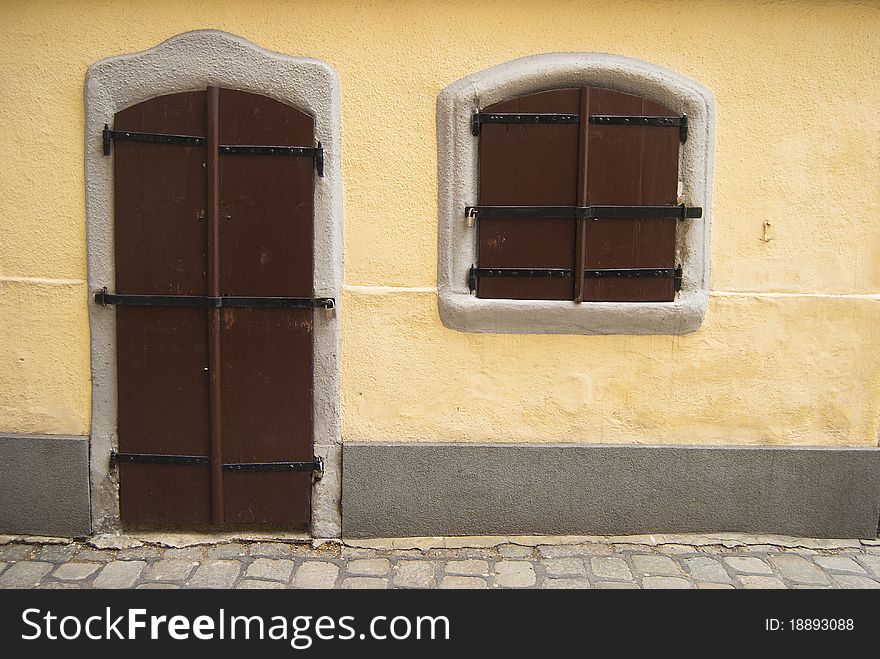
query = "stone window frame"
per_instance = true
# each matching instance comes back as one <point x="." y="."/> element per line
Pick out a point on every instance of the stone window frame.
<point x="187" y="62"/>
<point x="457" y="163"/>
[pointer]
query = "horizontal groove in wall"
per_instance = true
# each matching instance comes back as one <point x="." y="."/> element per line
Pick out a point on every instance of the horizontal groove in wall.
<point x="854" y="296"/>
<point x="42" y="280"/>
<point x="381" y="290"/>
<point x="366" y="289"/>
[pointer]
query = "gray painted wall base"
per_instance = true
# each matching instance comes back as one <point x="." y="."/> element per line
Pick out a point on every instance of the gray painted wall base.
<point x="44" y="485"/>
<point x="396" y="489"/>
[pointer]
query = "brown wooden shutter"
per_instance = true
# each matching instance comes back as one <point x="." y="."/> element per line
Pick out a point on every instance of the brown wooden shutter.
<point x="215" y="373"/>
<point x="529" y="165"/>
<point x="560" y="157"/>
<point x="630" y="166"/>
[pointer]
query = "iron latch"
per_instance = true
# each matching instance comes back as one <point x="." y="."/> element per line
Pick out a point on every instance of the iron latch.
<point x="480" y="118"/>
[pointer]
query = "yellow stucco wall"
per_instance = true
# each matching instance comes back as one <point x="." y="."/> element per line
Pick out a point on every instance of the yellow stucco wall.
<point x="789" y="350"/>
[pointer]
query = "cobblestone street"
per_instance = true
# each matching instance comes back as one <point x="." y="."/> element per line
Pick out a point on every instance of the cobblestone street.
<point x="500" y="563"/>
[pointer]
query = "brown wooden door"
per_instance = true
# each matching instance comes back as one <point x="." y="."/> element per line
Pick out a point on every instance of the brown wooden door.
<point x="550" y="158"/>
<point x="214" y="272"/>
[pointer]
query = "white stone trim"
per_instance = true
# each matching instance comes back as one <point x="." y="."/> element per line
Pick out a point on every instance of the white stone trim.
<point x="457" y="171"/>
<point x="188" y="62"/>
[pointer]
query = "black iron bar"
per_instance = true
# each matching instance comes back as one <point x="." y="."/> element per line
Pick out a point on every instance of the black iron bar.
<point x="204" y="460"/>
<point x="594" y="212"/>
<point x="481" y="118"/>
<point x="316" y="152"/>
<point x="104" y="298"/>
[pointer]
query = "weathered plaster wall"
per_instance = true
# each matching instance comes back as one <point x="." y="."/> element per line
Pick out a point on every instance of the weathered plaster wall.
<point x="788" y="350"/>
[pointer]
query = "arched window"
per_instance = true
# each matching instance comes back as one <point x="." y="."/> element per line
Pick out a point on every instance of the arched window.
<point x="575" y="201"/>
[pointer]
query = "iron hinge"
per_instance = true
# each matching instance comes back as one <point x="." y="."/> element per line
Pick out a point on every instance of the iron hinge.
<point x="636" y="120"/>
<point x="316" y="465"/>
<point x="316" y="152"/>
<point x="480" y="118"/>
<point x="596" y="212"/>
<point x="675" y="274"/>
<point x="104" y="298"/>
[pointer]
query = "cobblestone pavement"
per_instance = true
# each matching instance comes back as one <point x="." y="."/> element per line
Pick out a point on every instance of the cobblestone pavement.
<point x="68" y="564"/>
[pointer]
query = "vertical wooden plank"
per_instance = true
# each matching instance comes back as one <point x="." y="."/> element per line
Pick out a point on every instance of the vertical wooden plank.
<point x="529" y="165"/>
<point x="214" y="365"/>
<point x="162" y="354"/>
<point x="580" y="254"/>
<point x="630" y="165"/>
